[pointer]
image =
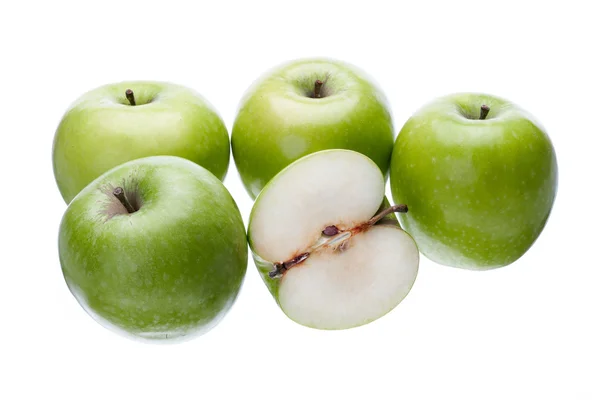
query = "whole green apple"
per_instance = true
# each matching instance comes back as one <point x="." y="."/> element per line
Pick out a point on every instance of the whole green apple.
<point x="123" y="121"/>
<point x="154" y="248"/>
<point x="304" y="106"/>
<point x="480" y="177"/>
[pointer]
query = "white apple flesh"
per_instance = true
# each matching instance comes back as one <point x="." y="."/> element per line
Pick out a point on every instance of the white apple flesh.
<point x="320" y="244"/>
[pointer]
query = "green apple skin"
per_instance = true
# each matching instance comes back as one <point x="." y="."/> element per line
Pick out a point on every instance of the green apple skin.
<point x="167" y="272"/>
<point x="479" y="191"/>
<point x="278" y="120"/>
<point x="102" y="129"/>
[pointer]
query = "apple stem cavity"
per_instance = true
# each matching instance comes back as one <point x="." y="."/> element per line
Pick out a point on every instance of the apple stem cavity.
<point x="130" y="96"/>
<point x="484" y="111"/>
<point x="335" y="238"/>
<point x="119" y="193"/>
<point x="318" y="85"/>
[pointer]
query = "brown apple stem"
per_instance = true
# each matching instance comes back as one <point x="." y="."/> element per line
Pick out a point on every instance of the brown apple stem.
<point x="130" y="97"/>
<point x="402" y="208"/>
<point x="318" y="85"/>
<point x="484" y="111"/>
<point x="119" y="193"/>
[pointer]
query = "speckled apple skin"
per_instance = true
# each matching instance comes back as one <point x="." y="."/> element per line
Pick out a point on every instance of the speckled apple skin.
<point x="279" y="122"/>
<point x="169" y="271"/>
<point x="101" y="130"/>
<point x="479" y="191"/>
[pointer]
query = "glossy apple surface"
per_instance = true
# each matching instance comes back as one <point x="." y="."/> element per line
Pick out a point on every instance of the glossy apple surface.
<point x="281" y="119"/>
<point x="169" y="270"/>
<point x="102" y="130"/>
<point x="480" y="190"/>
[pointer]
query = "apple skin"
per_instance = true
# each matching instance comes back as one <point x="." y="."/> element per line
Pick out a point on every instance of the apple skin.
<point x="479" y="191"/>
<point x="279" y="122"/>
<point x="167" y="272"/>
<point x="101" y="130"/>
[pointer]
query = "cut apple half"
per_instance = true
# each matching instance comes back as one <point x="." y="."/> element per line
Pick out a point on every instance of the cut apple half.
<point x="327" y="243"/>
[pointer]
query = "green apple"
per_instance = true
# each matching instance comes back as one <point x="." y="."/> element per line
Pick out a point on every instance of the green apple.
<point x="480" y="176"/>
<point x="123" y="121"/>
<point x="155" y="249"/>
<point x="323" y="245"/>
<point x="304" y="106"/>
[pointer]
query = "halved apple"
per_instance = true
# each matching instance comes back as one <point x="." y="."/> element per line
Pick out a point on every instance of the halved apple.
<point x="327" y="244"/>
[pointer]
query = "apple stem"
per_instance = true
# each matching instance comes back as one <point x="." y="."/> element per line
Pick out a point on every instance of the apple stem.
<point x="119" y="193"/>
<point x="318" y="85"/>
<point x="402" y="208"/>
<point x="484" y="111"/>
<point x="130" y="97"/>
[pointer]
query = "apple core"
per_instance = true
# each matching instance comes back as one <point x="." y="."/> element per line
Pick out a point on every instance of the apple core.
<point x="336" y="239"/>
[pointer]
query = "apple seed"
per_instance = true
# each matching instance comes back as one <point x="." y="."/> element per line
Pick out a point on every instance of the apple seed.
<point x="331" y="230"/>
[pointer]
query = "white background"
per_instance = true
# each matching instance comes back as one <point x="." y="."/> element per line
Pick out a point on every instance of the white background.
<point x="528" y="331"/>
